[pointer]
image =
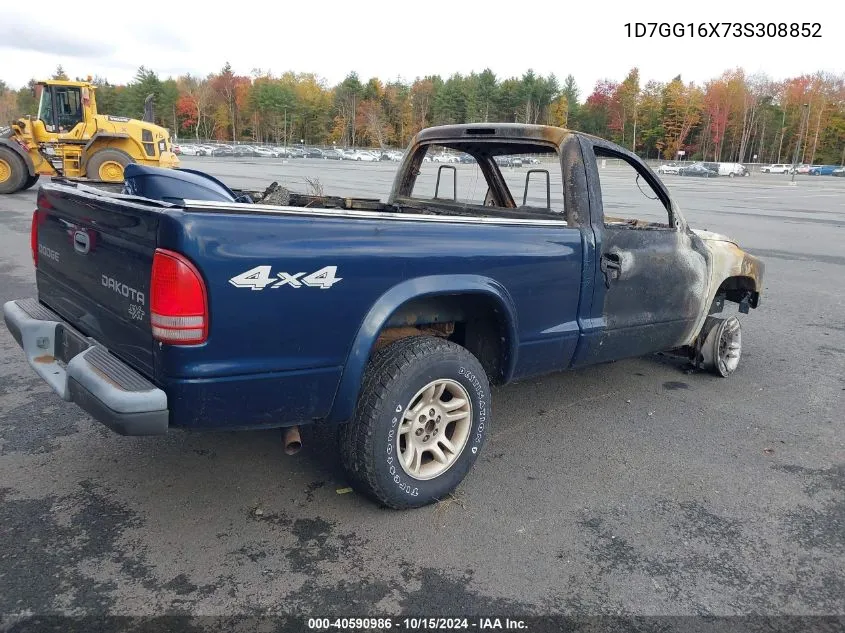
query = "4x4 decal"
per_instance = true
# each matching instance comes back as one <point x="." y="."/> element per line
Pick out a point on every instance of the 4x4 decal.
<point x="259" y="278"/>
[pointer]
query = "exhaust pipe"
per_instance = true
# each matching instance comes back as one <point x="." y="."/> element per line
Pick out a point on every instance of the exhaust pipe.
<point x="292" y="440"/>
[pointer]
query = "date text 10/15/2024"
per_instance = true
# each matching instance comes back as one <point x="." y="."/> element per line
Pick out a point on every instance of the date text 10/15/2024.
<point x="724" y="29"/>
<point x="417" y="624"/>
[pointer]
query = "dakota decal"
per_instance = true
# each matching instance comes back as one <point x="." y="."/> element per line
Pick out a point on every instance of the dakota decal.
<point x="122" y="289"/>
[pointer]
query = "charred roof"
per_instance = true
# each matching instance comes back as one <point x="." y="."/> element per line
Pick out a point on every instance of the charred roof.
<point x="490" y="133"/>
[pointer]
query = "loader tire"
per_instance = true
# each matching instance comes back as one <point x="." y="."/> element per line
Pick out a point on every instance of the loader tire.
<point x="30" y="181"/>
<point x="13" y="171"/>
<point x="107" y="165"/>
<point x="422" y="418"/>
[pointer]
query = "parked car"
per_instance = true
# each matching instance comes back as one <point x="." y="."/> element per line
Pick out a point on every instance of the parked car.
<point x="194" y="150"/>
<point x="509" y="161"/>
<point x="802" y="169"/>
<point x="171" y="317"/>
<point x="778" y="168"/>
<point x="697" y="170"/>
<point x="244" y="151"/>
<point x="669" y="168"/>
<point x="365" y="156"/>
<point x="332" y="154"/>
<point x="822" y="170"/>
<point x="266" y="152"/>
<point x="839" y="172"/>
<point x="313" y="152"/>
<point x="391" y="155"/>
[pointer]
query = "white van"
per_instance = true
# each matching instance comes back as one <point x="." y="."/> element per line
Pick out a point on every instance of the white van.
<point x="733" y="169"/>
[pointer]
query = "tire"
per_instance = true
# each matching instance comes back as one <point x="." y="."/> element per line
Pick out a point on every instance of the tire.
<point x="405" y="373"/>
<point x="30" y="181"/>
<point x="721" y="345"/>
<point x="13" y="172"/>
<point x="107" y="160"/>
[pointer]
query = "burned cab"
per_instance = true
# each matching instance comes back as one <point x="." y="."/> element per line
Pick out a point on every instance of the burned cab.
<point x="654" y="282"/>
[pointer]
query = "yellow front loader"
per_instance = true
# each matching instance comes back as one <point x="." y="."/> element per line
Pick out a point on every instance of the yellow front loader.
<point x="69" y="138"/>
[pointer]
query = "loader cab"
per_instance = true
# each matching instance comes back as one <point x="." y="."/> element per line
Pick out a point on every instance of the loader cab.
<point x="61" y="106"/>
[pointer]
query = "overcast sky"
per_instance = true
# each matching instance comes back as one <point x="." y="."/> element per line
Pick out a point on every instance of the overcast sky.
<point x="406" y="39"/>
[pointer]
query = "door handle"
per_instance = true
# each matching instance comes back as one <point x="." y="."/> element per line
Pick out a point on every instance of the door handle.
<point x="611" y="266"/>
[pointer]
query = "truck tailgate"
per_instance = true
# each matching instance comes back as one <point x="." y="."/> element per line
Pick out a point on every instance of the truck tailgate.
<point x="94" y="259"/>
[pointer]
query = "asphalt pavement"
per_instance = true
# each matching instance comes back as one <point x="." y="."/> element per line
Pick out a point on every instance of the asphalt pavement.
<point x="633" y="488"/>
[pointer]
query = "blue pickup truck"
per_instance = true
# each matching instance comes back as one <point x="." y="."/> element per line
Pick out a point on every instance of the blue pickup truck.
<point x="177" y="301"/>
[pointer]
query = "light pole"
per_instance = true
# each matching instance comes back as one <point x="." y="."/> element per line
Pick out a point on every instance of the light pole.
<point x="806" y="112"/>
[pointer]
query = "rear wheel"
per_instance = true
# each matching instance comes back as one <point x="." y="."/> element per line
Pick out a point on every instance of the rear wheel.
<point x="13" y="172"/>
<point x="108" y="165"/>
<point x="421" y="420"/>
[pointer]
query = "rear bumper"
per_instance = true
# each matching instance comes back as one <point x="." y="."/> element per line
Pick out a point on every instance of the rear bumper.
<point x="82" y="371"/>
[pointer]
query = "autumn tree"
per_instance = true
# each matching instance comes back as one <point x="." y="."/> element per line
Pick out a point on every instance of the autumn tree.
<point x="347" y="96"/>
<point x="559" y="112"/>
<point x="423" y="92"/>
<point x="398" y="112"/>
<point x="192" y="107"/>
<point x="625" y="103"/>
<point x="682" y="105"/>
<point x="571" y="93"/>
<point x="8" y="103"/>
<point x="596" y="116"/>
<point x="650" y="118"/>
<point x="225" y="86"/>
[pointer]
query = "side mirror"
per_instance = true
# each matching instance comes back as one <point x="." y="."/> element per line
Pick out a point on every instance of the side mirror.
<point x="488" y="198"/>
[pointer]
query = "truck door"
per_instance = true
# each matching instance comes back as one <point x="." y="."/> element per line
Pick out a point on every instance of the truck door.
<point x="651" y="273"/>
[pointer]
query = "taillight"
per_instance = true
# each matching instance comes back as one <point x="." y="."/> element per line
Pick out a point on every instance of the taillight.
<point x="178" y="303"/>
<point x="33" y="237"/>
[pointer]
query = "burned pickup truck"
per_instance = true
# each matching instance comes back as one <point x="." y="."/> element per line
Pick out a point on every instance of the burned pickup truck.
<point x="178" y="302"/>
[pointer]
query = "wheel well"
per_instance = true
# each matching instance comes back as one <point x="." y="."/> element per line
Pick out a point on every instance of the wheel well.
<point x="473" y="321"/>
<point x="739" y="289"/>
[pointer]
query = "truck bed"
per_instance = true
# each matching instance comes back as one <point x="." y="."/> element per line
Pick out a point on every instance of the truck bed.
<point x="281" y="348"/>
<point x="269" y="197"/>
